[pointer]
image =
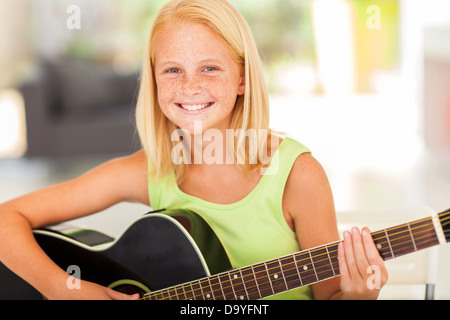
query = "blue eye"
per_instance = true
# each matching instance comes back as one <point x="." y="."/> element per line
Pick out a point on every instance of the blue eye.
<point x="210" y="69"/>
<point x="173" y="70"/>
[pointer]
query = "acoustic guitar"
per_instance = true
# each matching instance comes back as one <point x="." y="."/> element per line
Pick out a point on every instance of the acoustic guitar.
<point x="175" y="255"/>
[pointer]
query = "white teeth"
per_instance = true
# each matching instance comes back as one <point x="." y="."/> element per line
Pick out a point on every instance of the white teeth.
<point x="195" y="107"/>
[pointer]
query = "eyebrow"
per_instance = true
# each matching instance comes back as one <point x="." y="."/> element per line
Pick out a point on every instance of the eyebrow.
<point x="203" y="62"/>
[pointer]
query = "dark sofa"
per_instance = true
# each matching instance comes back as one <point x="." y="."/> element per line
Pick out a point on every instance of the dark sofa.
<point x="79" y="108"/>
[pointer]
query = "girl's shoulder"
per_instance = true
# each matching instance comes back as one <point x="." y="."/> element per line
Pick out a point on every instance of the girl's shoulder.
<point x="307" y="186"/>
<point x="307" y="178"/>
<point x="307" y="170"/>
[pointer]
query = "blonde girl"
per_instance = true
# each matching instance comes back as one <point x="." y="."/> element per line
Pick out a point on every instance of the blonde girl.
<point x="202" y="75"/>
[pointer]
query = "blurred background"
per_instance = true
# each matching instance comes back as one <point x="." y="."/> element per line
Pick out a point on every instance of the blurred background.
<point x="364" y="84"/>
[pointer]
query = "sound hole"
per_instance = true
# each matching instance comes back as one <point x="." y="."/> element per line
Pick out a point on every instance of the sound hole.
<point x="129" y="287"/>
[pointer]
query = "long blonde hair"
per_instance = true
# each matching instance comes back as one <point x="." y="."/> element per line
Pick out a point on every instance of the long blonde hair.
<point x="251" y="110"/>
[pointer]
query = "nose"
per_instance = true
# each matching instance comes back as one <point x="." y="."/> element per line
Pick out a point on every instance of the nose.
<point x="191" y="85"/>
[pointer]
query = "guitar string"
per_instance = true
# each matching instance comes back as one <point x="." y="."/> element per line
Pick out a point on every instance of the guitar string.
<point x="416" y="239"/>
<point x="327" y="272"/>
<point x="229" y="273"/>
<point x="445" y="220"/>
<point x="243" y="281"/>
<point x="405" y="234"/>
<point x="322" y="275"/>
<point x="258" y="285"/>
<point x="293" y="280"/>
<point x="445" y="223"/>
<point x="375" y="234"/>
<point x="285" y="271"/>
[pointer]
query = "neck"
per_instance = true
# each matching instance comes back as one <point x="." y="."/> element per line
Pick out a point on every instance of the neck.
<point x="306" y="267"/>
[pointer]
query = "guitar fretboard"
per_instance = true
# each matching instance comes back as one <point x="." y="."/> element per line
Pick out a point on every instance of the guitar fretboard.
<point x="302" y="268"/>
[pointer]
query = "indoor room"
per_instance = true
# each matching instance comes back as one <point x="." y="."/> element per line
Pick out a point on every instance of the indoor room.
<point x="365" y="85"/>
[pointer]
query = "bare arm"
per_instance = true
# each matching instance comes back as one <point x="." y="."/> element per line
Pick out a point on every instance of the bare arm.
<point x="122" y="179"/>
<point x="309" y="209"/>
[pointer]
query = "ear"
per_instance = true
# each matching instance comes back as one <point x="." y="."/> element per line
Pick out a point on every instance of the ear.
<point x="241" y="89"/>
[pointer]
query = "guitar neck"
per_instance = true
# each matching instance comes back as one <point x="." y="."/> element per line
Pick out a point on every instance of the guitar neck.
<point x="306" y="267"/>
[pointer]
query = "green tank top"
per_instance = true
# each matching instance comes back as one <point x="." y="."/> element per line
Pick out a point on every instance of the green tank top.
<point x="252" y="229"/>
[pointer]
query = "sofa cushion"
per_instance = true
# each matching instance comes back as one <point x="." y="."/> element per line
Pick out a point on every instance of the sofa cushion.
<point x="82" y="86"/>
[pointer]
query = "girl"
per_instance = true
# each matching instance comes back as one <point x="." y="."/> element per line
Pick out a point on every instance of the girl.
<point x="202" y="117"/>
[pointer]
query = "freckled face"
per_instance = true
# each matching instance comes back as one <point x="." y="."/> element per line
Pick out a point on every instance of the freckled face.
<point x="196" y="76"/>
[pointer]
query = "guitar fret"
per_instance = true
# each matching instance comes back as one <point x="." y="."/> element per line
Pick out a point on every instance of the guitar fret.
<point x="424" y="234"/>
<point x="400" y="240"/>
<point x="168" y="295"/>
<point x="204" y="297"/>
<point x="226" y="287"/>
<point x="297" y="267"/>
<point x="306" y="271"/>
<point x="276" y="276"/>
<point x="333" y="250"/>
<point x="232" y="287"/>
<point x="179" y="292"/>
<point x="208" y="292"/>
<point x="238" y="285"/>
<point x="165" y="294"/>
<point x="183" y="295"/>
<point x="187" y="291"/>
<point x="389" y="243"/>
<point x="412" y="237"/>
<point x="172" y="294"/>
<point x="312" y="264"/>
<point x="321" y="262"/>
<point x="190" y="292"/>
<point x="243" y="283"/>
<point x="196" y="290"/>
<point x="378" y="239"/>
<point x="290" y="272"/>
<point x="332" y="257"/>
<point x="262" y="279"/>
<point x="382" y="243"/>
<point x="249" y="283"/>
<point x="268" y="278"/>
<point x="283" y="276"/>
<point x="256" y="282"/>
<point x="329" y="259"/>
<point x="156" y="296"/>
<point x="216" y="288"/>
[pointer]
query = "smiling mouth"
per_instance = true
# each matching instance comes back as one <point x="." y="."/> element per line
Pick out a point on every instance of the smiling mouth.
<point x="194" y="107"/>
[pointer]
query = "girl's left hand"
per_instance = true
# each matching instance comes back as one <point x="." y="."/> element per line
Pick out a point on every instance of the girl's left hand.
<point x="362" y="269"/>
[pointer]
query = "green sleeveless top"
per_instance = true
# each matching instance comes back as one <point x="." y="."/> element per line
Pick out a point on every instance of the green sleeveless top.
<point x="252" y="229"/>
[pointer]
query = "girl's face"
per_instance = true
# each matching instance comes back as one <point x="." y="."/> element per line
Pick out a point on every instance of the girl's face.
<point x="196" y="77"/>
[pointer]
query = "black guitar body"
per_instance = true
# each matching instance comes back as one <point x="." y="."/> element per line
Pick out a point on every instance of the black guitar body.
<point x="155" y="252"/>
